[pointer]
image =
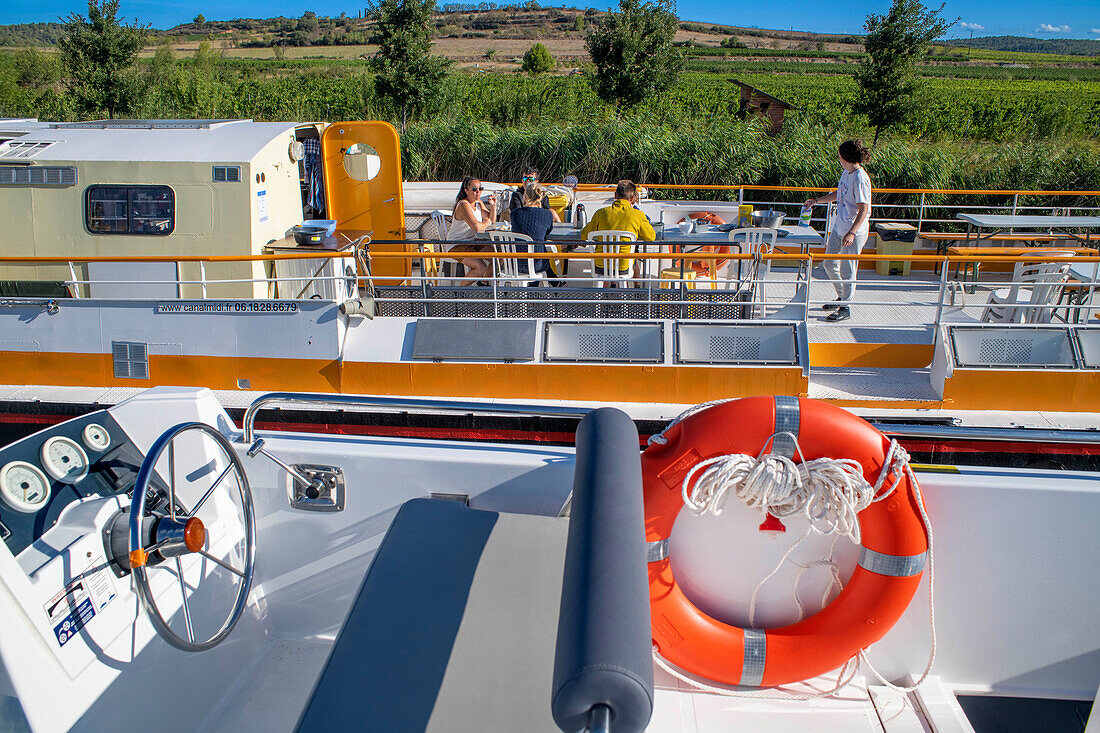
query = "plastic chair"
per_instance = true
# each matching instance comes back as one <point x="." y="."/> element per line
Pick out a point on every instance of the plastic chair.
<point x="509" y="269"/>
<point x="434" y="228"/>
<point x="601" y="238"/>
<point x="1019" y="304"/>
<point x="757" y="241"/>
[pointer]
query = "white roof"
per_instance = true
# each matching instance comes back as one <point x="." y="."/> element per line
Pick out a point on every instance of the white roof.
<point x="156" y="140"/>
<point x="16" y="126"/>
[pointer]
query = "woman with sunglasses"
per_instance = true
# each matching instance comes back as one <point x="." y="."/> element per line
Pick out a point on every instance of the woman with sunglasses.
<point x="470" y="216"/>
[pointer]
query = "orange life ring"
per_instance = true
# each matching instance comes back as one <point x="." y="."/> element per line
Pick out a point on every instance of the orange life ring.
<point x="705" y="215"/>
<point x="891" y="561"/>
<point x="703" y="268"/>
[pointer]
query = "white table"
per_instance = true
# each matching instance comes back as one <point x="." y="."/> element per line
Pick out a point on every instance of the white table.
<point x="997" y="223"/>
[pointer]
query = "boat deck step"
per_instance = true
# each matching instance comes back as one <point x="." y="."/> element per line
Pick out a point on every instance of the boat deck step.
<point x="872" y="384"/>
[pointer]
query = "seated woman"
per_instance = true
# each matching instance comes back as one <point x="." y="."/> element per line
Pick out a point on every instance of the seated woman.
<point x="469" y="217"/>
<point x="535" y="222"/>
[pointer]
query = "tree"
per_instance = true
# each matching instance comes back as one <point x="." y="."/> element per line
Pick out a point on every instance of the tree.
<point x="633" y="53"/>
<point x="35" y="69"/>
<point x="895" y="43"/>
<point x="405" y="71"/>
<point x="200" y="20"/>
<point x="98" y="54"/>
<point x="537" y="60"/>
<point x="578" y="23"/>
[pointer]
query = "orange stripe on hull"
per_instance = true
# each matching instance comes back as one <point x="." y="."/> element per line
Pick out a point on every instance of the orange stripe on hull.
<point x="897" y="356"/>
<point x="619" y="383"/>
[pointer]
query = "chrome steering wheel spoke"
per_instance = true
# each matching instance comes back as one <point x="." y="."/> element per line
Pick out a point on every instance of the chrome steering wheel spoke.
<point x="139" y="555"/>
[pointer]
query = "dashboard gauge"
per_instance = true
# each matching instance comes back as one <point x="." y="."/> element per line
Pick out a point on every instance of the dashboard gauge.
<point x="64" y="459"/>
<point x="23" y="487"/>
<point x="96" y="437"/>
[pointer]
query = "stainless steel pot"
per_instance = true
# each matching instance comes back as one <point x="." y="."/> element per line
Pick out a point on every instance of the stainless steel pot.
<point x="767" y="218"/>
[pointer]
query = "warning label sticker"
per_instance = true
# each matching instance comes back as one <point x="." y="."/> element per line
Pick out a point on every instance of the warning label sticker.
<point x="73" y="607"/>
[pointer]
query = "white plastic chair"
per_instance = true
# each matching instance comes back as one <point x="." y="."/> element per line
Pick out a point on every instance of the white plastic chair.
<point x="755" y="241"/>
<point x="1034" y="285"/>
<point x="438" y="222"/>
<point x="603" y="239"/>
<point x="509" y="269"/>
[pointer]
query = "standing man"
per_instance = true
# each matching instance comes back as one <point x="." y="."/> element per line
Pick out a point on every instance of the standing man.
<point x="623" y="216"/>
<point x="850" y="226"/>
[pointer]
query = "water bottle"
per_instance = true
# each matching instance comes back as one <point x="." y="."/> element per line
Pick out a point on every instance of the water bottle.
<point x="581" y="219"/>
<point x="804" y="217"/>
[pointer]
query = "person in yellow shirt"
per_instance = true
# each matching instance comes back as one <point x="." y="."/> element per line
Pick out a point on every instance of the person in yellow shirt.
<point x="621" y="215"/>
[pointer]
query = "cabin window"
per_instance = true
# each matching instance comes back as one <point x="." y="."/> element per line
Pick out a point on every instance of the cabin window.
<point x="149" y="210"/>
<point x="227" y="174"/>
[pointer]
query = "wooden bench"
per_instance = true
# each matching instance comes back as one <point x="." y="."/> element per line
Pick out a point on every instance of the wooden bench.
<point x="943" y="241"/>
<point x="974" y="268"/>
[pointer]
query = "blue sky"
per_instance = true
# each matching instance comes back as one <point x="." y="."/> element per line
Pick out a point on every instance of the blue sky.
<point x="1049" y="19"/>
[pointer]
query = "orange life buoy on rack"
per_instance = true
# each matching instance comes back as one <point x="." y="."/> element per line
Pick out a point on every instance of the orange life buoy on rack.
<point x="703" y="268"/>
<point x="891" y="561"/>
<point x="706" y="216"/>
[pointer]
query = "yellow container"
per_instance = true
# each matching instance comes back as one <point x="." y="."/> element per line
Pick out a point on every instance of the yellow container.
<point x="558" y="204"/>
<point x="744" y="215"/>
<point x="895" y="248"/>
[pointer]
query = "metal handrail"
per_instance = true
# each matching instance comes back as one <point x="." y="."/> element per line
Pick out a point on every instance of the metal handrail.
<point x="1020" y="435"/>
<point x="1024" y="435"/>
<point x="400" y="403"/>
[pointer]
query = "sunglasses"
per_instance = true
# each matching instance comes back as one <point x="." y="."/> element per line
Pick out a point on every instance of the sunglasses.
<point x="476" y="188"/>
<point x="530" y="178"/>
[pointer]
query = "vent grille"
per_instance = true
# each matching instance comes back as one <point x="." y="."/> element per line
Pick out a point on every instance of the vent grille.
<point x="604" y="346"/>
<point x="227" y="174"/>
<point x="734" y="348"/>
<point x="45" y="175"/>
<point x="1005" y="351"/>
<point x="131" y="359"/>
<point x="24" y="149"/>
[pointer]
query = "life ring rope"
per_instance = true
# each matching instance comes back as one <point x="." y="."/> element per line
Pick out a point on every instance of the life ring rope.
<point x="829" y="493"/>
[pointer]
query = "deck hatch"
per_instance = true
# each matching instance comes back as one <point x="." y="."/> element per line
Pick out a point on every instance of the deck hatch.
<point x="603" y="342"/>
<point x="1012" y="347"/>
<point x="1088" y="346"/>
<point x="131" y="359"/>
<point x="720" y="343"/>
<point x="474" y="340"/>
<point x="38" y="175"/>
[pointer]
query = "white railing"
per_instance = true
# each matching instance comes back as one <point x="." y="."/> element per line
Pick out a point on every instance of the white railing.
<point x="744" y="293"/>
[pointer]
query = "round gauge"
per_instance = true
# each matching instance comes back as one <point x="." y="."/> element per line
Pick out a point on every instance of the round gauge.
<point x="64" y="459"/>
<point x="96" y="437"/>
<point x="23" y="487"/>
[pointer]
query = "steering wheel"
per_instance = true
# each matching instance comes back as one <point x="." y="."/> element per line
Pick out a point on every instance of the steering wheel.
<point x="179" y="532"/>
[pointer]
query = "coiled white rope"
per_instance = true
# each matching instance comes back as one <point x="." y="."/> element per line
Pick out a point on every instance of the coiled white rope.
<point x="830" y="493"/>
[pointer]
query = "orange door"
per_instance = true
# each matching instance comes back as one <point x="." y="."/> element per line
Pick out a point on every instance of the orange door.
<point x="363" y="187"/>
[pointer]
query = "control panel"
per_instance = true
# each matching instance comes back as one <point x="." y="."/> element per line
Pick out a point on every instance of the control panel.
<point x="44" y="473"/>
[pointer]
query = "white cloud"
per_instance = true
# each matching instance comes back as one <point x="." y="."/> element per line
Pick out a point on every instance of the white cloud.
<point x="1048" y="28"/>
<point x="971" y="26"/>
<point x="1096" y="30"/>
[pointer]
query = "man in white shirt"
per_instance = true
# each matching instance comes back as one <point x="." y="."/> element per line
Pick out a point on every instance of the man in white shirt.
<point x="850" y="226"/>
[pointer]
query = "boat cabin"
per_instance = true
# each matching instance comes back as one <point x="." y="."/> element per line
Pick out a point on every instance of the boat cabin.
<point x="164" y="188"/>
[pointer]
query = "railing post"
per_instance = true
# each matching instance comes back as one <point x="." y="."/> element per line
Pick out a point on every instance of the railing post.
<point x="72" y="275"/>
<point x="920" y="215"/>
<point x="943" y="295"/>
<point x="493" y="283"/>
<point x="809" y="280"/>
<point x="202" y="277"/>
<point x="1015" y="206"/>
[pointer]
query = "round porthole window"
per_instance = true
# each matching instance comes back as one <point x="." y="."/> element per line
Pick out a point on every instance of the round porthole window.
<point x="362" y="162"/>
